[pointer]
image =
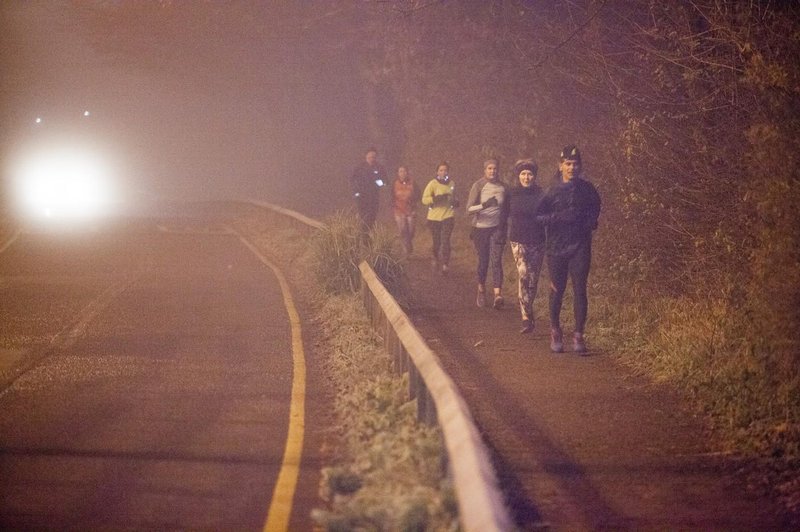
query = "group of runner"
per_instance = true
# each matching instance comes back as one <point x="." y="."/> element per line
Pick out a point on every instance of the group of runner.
<point x="556" y="223"/>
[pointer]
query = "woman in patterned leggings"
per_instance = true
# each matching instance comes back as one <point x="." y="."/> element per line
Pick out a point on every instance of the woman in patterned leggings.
<point x="527" y="237"/>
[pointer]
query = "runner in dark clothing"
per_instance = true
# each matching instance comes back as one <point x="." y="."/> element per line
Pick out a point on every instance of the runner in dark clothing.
<point x="527" y="236"/>
<point x="366" y="182"/>
<point x="569" y="210"/>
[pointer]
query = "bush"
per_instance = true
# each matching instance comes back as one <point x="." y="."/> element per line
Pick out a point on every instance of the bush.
<point x="336" y="255"/>
<point x="341" y="247"/>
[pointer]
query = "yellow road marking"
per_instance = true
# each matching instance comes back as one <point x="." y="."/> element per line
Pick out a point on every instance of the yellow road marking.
<point x="280" y="508"/>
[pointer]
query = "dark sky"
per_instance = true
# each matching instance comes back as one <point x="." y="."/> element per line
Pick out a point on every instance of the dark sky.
<point x="244" y="102"/>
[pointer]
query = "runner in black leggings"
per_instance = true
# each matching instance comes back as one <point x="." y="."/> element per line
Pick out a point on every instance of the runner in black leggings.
<point x="487" y="206"/>
<point x="569" y="210"/>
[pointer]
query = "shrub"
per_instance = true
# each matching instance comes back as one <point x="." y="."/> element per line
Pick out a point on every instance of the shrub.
<point x="341" y="247"/>
<point x="337" y="254"/>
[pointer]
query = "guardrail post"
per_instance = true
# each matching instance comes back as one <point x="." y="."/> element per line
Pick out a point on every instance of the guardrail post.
<point x="423" y="401"/>
<point x="413" y="382"/>
<point x="404" y="360"/>
<point x="366" y="296"/>
<point x="395" y="349"/>
<point x="430" y="415"/>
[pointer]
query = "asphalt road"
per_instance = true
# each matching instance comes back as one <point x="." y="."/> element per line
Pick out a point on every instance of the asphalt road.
<point x="145" y="382"/>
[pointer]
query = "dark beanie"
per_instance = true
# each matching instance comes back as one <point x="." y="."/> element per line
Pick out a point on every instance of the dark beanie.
<point x="571" y="152"/>
<point x="525" y="164"/>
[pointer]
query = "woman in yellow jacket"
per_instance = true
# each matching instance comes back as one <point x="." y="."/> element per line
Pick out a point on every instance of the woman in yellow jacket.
<point x="439" y="197"/>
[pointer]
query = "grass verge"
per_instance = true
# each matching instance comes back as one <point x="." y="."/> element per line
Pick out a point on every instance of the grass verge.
<point x="738" y="373"/>
<point x="388" y="470"/>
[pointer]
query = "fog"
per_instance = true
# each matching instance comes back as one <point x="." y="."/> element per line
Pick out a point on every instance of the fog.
<point x="201" y="102"/>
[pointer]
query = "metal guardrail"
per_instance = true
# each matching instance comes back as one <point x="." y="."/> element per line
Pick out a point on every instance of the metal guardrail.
<point x="302" y="218"/>
<point x="480" y="501"/>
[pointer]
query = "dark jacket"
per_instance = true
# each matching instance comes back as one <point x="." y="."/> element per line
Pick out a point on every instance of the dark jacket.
<point x="522" y="224"/>
<point x="364" y="187"/>
<point x="569" y="211"/>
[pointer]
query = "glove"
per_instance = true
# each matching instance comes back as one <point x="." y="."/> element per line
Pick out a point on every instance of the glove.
<point x="491" y="202"/>
<point x="441" y="199"/>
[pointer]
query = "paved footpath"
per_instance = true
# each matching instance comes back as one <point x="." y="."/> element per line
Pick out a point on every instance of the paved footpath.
<point x="579" y="443"/>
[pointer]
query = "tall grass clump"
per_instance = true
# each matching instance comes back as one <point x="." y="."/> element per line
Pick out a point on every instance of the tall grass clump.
<point x="341" y="247"/>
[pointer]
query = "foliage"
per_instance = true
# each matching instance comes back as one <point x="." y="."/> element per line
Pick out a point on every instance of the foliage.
<point x="687" y="114"/>
<point x="341" y="247"/>
<point x="391" y="477"/>
<point x="337" y="254"/>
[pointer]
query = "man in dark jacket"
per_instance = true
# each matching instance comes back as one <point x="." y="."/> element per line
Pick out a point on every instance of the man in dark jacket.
<point x="569" y="210"/>
<point x="366" y="182"/>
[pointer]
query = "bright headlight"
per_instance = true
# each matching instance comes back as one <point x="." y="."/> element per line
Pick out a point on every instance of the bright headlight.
<point x="63" y="182"/>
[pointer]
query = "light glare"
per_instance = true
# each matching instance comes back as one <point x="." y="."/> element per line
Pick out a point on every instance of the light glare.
<point x="63" y="183"/>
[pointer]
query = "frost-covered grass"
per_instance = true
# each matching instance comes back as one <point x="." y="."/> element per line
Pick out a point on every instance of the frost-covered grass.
<point x="391" y="473"/>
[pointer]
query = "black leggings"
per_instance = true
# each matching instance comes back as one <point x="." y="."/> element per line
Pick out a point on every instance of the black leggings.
<point x="489" y="243"/>
<point x="440" y="235"/>
<point x="575" y="266"/>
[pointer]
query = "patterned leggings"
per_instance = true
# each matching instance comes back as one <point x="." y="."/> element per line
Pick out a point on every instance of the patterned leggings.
<point x="529" y="259"/>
